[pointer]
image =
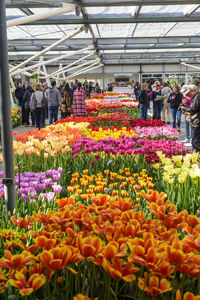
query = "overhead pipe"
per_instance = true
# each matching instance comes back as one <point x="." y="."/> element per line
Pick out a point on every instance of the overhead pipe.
<point x="79" y="66"/>
<point x="84" y="70"/>
<point x="72" y="64"/>
<point x="191" y="66"/>
<point x="53" y="60"/>
<point x="66" y="8"/>
<point x="54" y="45"/>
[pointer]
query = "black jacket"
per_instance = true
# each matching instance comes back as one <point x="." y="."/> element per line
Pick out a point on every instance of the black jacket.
<point x="195" y="107"/>
<point x="143" y="97"/>
<point x="177" y="101"/>
<point x="154" y="94"/>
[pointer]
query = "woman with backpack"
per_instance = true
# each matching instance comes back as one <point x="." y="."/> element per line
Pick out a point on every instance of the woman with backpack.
<point x="37" y="104"/>
<point x="27" y="97"/>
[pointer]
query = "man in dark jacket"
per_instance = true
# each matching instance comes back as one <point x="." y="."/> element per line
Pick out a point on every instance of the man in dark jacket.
<point x="194" y="118"/>
<point x="21" y="101"/>
<point x="143" y="101"/>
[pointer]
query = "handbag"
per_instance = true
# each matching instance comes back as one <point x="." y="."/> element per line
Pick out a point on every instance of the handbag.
<point x="44" y="102"/>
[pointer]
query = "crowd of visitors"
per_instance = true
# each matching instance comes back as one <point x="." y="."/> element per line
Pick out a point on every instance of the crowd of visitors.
<point x="46" y="101"/>
<point x="168" y="102"/>
<point x="176" y="101"/>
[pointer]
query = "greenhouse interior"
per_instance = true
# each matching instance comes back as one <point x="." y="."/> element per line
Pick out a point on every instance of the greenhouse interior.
<point x="100" y="149"/>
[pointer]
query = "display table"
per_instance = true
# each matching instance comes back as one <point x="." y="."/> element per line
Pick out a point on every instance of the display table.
<point x="123" y="90"/>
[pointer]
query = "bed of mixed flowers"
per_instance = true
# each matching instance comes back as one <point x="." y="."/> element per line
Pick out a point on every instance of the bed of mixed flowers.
<point x="107" y="208"/>
<point x="16" y="116"/>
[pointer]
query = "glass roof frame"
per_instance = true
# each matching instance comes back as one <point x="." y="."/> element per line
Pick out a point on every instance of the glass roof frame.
<point x="109" y="36"/>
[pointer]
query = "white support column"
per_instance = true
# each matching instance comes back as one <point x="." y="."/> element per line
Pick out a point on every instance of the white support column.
<point x="51" y="60"/>
<point x="12" y="82"/>
<point x="72" y="64"/>
<point x="54" y="45"/>
<point x="39" y="67"/>
<point x="12" y="100"/>
<point x="186" y="78"/>
<point x="66" y="8"/>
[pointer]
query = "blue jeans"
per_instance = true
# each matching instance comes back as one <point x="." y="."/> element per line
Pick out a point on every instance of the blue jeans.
<point x="157" y="108"/>
<point x="175" y="113"/>
<point x="143" y="112"/>
<point x="42" y="119"/>
<point x="188" y="130"/>
<point x="37" y="114"/>
<point x="53" y="114"/>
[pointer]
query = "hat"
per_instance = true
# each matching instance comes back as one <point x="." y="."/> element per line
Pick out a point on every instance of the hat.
<point x="184" y="88"/>
<point x="191" y="88"/>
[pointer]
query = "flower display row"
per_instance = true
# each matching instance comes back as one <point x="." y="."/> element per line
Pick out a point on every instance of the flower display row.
<point x="31" y="186"/>
<point x="16" y="117"/>
<point x="180" y="177"/>
<point x="107" y="209"/>
<point x="112" y="237"/>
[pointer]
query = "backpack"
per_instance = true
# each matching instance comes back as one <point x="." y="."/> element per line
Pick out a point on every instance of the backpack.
<point x="33" y="103"/>
<point x="44" y="102"/>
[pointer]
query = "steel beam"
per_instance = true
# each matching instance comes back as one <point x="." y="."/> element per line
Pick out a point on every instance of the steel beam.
<point x="35" y="17"/>
<point x="106" y="41"/>
<point x="55" y="59"/>
<point x="110" y="48"/>
<point x="72" y="64"/>
<point x="59" y="42"/>
<point x="53" y="3"/>
<point x="62" y="20"/>
<point x="191" y="66"/>
<point x="72" y="68"/>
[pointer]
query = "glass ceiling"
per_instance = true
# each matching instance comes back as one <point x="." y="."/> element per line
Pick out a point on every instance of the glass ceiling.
<point x="107" y="35"/>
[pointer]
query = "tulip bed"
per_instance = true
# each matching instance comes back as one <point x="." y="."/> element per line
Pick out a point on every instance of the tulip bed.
<point x="16" y="117"/>
<point x="107" y="208"/>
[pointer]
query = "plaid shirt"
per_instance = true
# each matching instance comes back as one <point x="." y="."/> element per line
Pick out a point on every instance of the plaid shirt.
<point x="79" y="105"/>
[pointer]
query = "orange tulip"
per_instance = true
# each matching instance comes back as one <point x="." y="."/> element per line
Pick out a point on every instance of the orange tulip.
<point x="56" y="258"/>
<point x="82" y="297"/>
<point x="22" y="223"/>
<point x="120" y="269"/>
<point x="187" y="296"/>
<point x="90" y="245"/>
<point x="174" y="253"/>
<point x="17" y="261"/>
<point x="45" y="243"/>
<point x="155" y="286"/>
<point x="35" y="282"/>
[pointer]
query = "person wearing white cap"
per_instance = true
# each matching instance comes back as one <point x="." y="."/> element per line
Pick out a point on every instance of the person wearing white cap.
<point x="193" y="92"/>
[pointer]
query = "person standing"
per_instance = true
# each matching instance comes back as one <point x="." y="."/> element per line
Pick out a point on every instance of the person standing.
<point x="194" y="110"/>
<point x="72" y="88"/>
<point x="110" y="88"/>
<point x="54" y="102"/>
<point x="79" y="105"/>
<point x="62" y="84"/>
<point x="37" y="97"/>
<point x="175" y="99"/>
<point x="17" y="92"/>
<point x="143" y="101"/>
<point x="21" y="101"/>
<point x="157" y="101"/>
<point x="165" y="92"/>
<point x="66" y="99"/>
<point x="27" y="97"/>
